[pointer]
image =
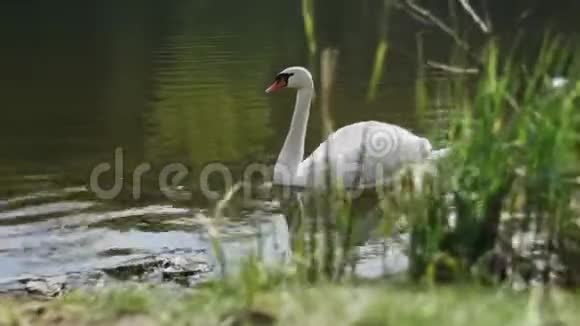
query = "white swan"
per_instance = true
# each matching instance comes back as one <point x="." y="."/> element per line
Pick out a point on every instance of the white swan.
<point x="364" y="153"/>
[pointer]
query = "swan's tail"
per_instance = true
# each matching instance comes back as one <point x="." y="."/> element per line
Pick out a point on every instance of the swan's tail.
<point x="439" y="153"/>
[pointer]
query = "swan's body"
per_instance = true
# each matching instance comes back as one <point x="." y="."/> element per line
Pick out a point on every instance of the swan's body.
<point x="364" y="153"/>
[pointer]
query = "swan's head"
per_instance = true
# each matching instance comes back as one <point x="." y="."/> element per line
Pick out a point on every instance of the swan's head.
<point x="292" y="77"/>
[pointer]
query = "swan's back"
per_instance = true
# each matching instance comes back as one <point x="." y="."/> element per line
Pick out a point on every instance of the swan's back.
<point x="363" y="153"/>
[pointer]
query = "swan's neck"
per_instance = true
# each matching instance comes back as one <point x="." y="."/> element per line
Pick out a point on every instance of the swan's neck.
<point x="293" y="149"/>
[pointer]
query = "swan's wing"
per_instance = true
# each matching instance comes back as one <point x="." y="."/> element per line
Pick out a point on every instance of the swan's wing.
<point x="364" y="152"/>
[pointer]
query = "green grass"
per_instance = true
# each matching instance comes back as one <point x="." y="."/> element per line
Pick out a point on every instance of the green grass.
<point x="324" y="304"/>
<point x="514" y="163"/>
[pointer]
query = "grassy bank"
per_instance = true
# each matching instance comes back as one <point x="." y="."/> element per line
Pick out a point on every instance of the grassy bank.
<point x="323" y="304"/>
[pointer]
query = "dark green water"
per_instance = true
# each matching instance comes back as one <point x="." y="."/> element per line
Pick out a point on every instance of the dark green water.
<point x="172" y="82"/>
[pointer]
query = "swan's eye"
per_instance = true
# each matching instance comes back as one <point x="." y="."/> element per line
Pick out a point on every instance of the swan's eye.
<point x="283" y="78"/>
<point x="280" y="82"/>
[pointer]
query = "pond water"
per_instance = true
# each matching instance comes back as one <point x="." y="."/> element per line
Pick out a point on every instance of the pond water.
<point x="168" y="82"/>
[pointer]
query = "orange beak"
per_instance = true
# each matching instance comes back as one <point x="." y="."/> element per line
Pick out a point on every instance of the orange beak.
<point x="276" y="85"/>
